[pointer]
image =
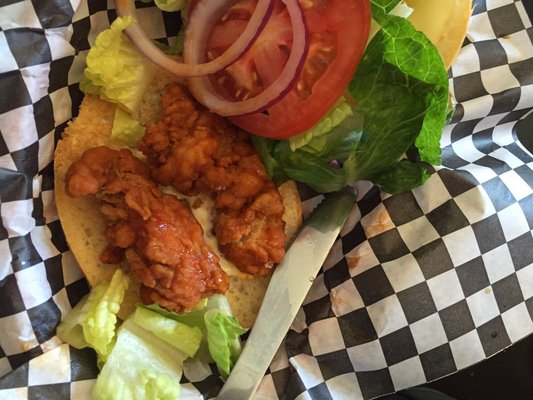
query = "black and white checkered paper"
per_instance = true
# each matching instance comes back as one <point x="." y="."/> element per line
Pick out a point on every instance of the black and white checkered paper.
<point x="418" y="285"/>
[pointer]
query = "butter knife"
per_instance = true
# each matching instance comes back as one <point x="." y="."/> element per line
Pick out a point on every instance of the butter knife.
<point x="285" y="294"/>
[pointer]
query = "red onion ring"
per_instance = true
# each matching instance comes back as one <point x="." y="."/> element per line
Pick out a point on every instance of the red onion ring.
<point x="203" y="91"/>
<point x="204" y="15"/>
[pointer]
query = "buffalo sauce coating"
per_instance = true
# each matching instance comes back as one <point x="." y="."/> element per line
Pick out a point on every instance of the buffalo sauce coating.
<point x="155" y="233"/>
<point x="198" y="152"/>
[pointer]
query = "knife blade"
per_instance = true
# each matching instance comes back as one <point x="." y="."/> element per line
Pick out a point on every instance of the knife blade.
<point x="285" y="294"/>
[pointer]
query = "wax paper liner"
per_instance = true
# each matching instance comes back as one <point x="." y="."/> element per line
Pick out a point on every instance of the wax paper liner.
<point x="417" y="286"/>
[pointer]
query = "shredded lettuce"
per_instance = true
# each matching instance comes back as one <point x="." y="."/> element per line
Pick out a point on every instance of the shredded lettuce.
<point x="141" y="366"/>
<point x="401" y="90"/>
<point x="126" y="129"/>
<point x="170" y="5"/>
<point x="92" y="322"/>
<point x="115" y="70"/>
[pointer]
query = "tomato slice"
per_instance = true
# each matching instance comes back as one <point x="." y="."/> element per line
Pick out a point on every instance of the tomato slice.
<point x="338" y="32"/>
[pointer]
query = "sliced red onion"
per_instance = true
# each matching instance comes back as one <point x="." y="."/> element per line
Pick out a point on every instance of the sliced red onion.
<point x="203" y="91"/>
<point x="200" y="23"/>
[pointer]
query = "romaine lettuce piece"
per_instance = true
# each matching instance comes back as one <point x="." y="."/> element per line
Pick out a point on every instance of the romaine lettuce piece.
<point x="92" y="322"/>
<point x="126" y="129"/>
<point x="141" y="366"/>
<point x="177" y="334"/>
<point x="115" y="70"/>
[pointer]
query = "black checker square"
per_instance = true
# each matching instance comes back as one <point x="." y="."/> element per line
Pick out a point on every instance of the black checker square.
<point x="500" y="195"/>
<point x="13" y="83"/>
<point x="417" y="302"/>
<point x="527" y="205"/>
<point x="25" y="160"/>
<point x="38" y="211"/>
<point x="457" y="320"/>
<point x="491" y="53"/>
<point x="526" y="173"/>
<point x="81" y="362"/>
<point x="280" y="379"/>
<point x="484" y="142"/>
<point x="433" y="259"/>
<point x="518" y="151"/>
<point x="334" y="364"/>
<point x="28" y="46"/>
<point x="450" y="159"/>
<point x="53" y="13"/>
<point x="403" y="208"/>
<point x="464" y="129"/>
<point x="505" y="101"/>
<point x="320" y="391"/>
<point x="16" y="360"/>
<point x="58" y="76"/>
<point x="80" y="33"/>
<point x="398" y="346"/>
<point x="447" y="218"/>
<point x="388" y="246"/>
<point x="337" y="274"/>
<point x="370" y="201"/>
<point x="457" y="182"/>
<point x="14" y="185"/>
<point x="172" y="22"/>
<point x="493" y="336"/>
<point x="318" y="310"/>
<point x="44" y="318"/>
<point x="507" y="292"/>
<point x="10" y="297"/>
<point x="100" y="5"/>
<point x="357" y="328"/>
<point x="489" y="233"/>
<point x="496" y="165"/>
<point x="54" y="273"/>
<point x="521" y="250"/>
<point x="58" y="236"/>
<point x="438" y="362"/>
<point x="375" y="383"/>
<point x="76" y="290"/>
<point x="54" y="391"/>
<point x="3" y="146"/>
<point x="522" y="71"/>
<point x="468" y="87"/>
<point x="373" y="285"/>
<point x="23" y="252"/>
<point x="505" y="20"/>
<point x="17" y="378"/>
<point x="354" y="238"/>
<point x="44" y="116"/>
<point x="473" y="276"/>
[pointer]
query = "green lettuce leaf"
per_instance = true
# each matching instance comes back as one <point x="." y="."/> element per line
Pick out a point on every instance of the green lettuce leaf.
<point x="141" y="366"/>
<point x="126" y="129"/>
<point x="115" y="70"/>
<point x="380" y="8"/>
<point x="92" y="322"/>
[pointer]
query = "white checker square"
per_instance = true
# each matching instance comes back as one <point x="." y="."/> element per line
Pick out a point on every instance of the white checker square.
<point x="14" y="394"/>
<point x="525" y="279"/>
<point x="325" y="336"/>
<point x="49" y="206"/>
<point x="475" y="204"/>
<point x="334" y="256"/>
<point x="445" y="289"/>
<point x="195" y="370"/>
<point x="71" y="269"/>
<point x="5" y="367"/>
<point x="344" y="386"/>
<point x="42" y="240"/>
<point x="492" y="4"/>
<point x="76" y="70"/>
<point x="418" y="233"/>
<point x="446" y="138"/>
<point x="40" y="373"/>
<point x="377" y="221"/>
<point x="14" y="341"/>
<point x="19" y="14"/>
<point x="304" y="396"/>
<point x="81" y="11"/>
<point x="465" y="149"/>
<point x="151" y="20"/>
<point x="266" y="389"/>
<point x="479" y="107"/>
<point x="81" y="390"/>
<point x="481" y="173"/>
<point x="5" y="262"/>
<point x="513" y="221"/>
<point x="387" y="315"/>
<point x="7" y="61"/>
<point x="280" y="360"/>
<point x="46" y="150"/>
<point x="62" y="105"/>
<point x="310" y="373"/>
<point x="51" y="344"/>
<point x="480" y="28"/>
<point x="467" y="61"/>
<point x="517" y="46"/>
<point x="367" y="356"/>
<point x="498" y="79"/>
<point x="407" y="373"/>
<point x="16" y="217"/>
<point x="431" y="194"/>
<point x="518" y="187"/>
<point x="345" y="298"/>
<point x="403" y="273"/>
<point x="36" y="80"/>
<point x="62" y="301"/>
<point x="361" y="259"/>
<point x="483" y="306"/>
<point x="30" y="281"/>
<point x="18" y="128"/>
<point x="526" y="97"/>
<point x="488" y="122"/>
<point x="299" y="324"/>
<point x="503" y="135"/>
<point x="523" y="15"/>
<point x="59" y="41"/>
<point x="462" y="245"/>
<point x="518" y="323"/>
<point x="353" y="219"/>
<point x="498" y="263"/>
<point x="188" y="391"/>
<point x="467" y="350"/>
<point x="317" y="290"/>
<point x="6" y="162"/>
<point x="507" y="157"/>
<point x="428" y="333"/>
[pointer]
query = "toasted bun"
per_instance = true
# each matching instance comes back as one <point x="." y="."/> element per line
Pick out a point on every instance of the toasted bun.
<point x="84" y="226"/>
<point x="444" y="22"/>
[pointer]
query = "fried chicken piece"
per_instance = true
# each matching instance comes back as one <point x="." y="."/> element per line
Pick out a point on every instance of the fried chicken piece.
<point x="197" y="151"/>
<point x="155" y="233"/>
